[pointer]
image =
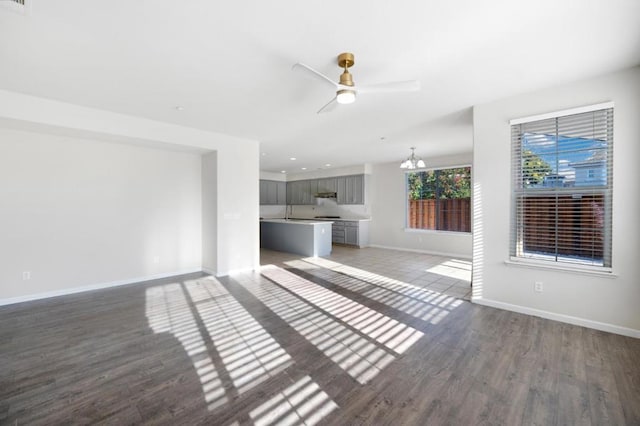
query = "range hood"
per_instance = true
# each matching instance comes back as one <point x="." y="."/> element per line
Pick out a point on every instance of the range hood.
<point x="326" y="195"/>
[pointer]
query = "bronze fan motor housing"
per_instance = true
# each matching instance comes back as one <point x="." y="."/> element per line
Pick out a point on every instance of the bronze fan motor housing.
<point x="346" y="60"/>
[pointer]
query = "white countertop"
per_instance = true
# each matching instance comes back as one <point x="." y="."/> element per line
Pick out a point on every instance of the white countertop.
<point x="317" y="219"/>
<point x="299" y="221"/>
<point x="350" y="220"/>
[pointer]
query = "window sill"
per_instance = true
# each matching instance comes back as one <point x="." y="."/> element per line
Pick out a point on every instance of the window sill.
<point x="576" y="269"/>
<point x="435" y="231"/>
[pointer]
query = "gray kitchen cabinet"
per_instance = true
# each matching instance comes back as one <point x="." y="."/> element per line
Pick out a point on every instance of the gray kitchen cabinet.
<point x="341" y="189"/>
<point x="350" y="189"/>
<point x="272" y="192"/>
<point x="292" y="192"/>
<point x="351" y="234"/>
<point x="358" y="189"/>
<point x="313" y="190"/>
<point x="282" y="194"/>
<point x="296" y="236"/>
<point x="338" y="232"/>
<point x="328" y="184"/>
<point x="298" y="192"/>
<point x="263" y="192"/>
<point x="302" y="192"/>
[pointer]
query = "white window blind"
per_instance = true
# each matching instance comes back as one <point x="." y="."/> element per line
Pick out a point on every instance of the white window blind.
<point x="562" y="171"/>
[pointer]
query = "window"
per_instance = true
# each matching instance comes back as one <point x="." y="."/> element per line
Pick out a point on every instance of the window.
<point x="562" y="187"/>
<point x="439" y="199"/>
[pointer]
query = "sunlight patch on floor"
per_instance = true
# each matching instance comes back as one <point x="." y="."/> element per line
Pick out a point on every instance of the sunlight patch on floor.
<point x="249" y="354"/>
<point x="453" y="268"/>
<point x="385" y="330"/>
<point x="301" y="403"/>
<point x="416" y="301"/>
<point x="168" y="311"/>
<point x="359" y="340"/>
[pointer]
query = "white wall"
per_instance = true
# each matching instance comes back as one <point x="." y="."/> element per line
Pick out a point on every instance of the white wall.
<point x="236" y="177"/>
<point x="77" y="212"/>
<point x="609" y="303"/>
<point x="329" y="207"/>
<point x="281" y="177"/>
<point x="272" y="211"/>
<point x="388" y="212"/>
<point x="238" y="199"/>
<point x="210" y="212"/>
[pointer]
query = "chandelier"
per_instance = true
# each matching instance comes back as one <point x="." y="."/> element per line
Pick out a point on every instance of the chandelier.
<point x="412" y="162"/>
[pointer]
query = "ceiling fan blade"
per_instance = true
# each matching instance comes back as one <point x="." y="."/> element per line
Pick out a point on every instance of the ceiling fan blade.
<point x="397" y="86"/>
<point x="307" y="70"/>
<point x="329" y="106"/>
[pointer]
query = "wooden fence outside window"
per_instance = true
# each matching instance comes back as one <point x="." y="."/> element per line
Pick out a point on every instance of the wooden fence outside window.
<point x="443" y="215"/>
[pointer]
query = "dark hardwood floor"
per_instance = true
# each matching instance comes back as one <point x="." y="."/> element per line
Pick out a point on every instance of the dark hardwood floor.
<point x="361" y="337"/>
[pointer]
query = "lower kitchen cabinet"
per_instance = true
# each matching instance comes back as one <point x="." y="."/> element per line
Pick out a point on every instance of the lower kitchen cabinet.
<point x="352" y="232"/>
<point x="351" y="235"/>
<point x="337" y="234"/>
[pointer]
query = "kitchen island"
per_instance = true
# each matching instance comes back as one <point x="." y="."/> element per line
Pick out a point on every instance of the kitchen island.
<point x="305" y="237"/>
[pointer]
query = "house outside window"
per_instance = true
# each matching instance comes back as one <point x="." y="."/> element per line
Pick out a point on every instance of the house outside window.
<point x="562" y="188"/>
<point x="439" y="199"/>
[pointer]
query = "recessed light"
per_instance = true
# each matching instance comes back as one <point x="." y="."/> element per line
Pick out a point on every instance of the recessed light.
<point x="304" y="168"/>
<point x="179" y="108"/>
<point x="264" y="153"/>
<point x="293" y="158"/>
<point x="327" y="165"/>
<point x="283" y="171"/>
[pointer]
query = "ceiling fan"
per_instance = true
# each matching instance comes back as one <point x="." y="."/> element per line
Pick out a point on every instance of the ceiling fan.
<point x="346" y="90"/>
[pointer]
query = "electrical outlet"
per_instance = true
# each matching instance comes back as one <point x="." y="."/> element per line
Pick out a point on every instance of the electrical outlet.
<point x="537" y="286"/>
<point x="26" y="275"/>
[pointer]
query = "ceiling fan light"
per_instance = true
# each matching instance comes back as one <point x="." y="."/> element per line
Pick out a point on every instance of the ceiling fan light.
<point x="345" y="96"/>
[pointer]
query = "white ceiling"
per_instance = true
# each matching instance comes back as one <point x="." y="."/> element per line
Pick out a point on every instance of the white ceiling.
<point x="229" y="65"/>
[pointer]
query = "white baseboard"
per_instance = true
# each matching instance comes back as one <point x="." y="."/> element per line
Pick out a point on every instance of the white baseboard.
<point x="227" y="273"/>
<point x="73" y="290"/>
<point x="616" y="329"/>
<point x="237" y="271"/>
<point x="437" y="253"/>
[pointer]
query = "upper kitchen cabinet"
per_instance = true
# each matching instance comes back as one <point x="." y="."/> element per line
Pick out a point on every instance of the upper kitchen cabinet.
<point x="350" y="189"/>
<point x="313" y="190"/>
<point x="299" y="192"/>
<point x="273" y="192"/>
<point x="282" y="194"/>
<point x="328" y="184"/>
